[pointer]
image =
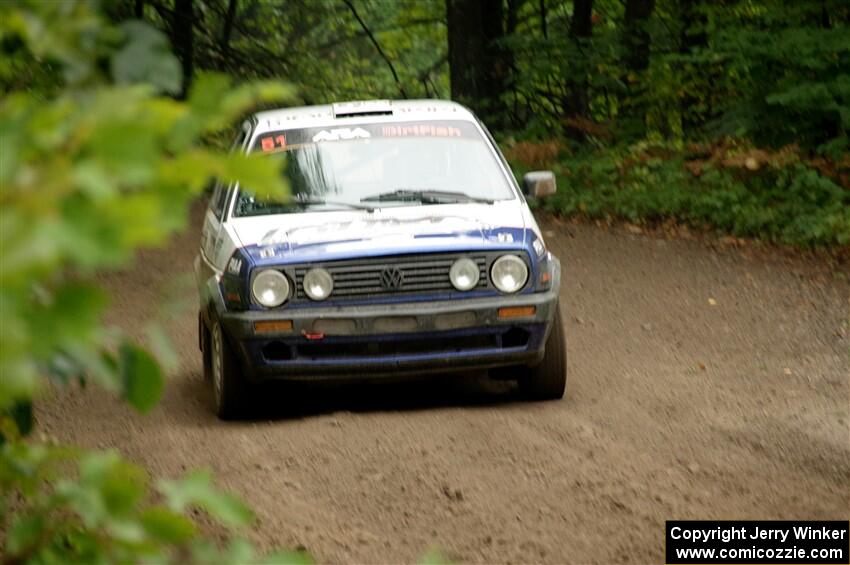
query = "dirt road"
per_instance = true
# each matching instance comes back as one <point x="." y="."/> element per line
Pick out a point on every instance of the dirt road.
<point x="704" y="383"/>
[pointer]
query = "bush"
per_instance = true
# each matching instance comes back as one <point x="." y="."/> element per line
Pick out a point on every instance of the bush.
<point x="732" y="187"/>
<point x="91" y="171"/>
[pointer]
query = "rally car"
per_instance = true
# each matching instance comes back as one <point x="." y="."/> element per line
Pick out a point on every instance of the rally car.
<point x="404" y="247"/>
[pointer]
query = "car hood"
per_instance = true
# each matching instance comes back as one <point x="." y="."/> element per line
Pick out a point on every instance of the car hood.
<point x="386" y="230"/>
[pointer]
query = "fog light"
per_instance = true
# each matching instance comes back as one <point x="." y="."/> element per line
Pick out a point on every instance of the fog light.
<point x="273" y="326"/>
<point x="517" y="312"/>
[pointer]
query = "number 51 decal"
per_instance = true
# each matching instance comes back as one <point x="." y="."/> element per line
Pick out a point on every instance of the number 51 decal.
<point x="272" y="143"/>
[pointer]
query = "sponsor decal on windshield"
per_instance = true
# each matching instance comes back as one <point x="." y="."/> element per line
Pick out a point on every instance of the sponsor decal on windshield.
<point x="341" y="133"/>
<point x="276" y="141"/>
<point x="424" y="130"/>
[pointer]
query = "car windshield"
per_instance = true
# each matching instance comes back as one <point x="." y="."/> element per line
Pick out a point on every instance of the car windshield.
<point x="379" y="165"/>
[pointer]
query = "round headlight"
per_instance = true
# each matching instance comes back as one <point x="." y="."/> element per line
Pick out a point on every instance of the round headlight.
<point x="509" y="273"/>
<point x="270" y="288"/>
<point x="464" y="274"/>
<point x="318" y="284"/>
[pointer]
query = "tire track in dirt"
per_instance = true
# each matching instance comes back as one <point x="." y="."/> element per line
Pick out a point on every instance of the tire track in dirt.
<point x="675" y="408"/>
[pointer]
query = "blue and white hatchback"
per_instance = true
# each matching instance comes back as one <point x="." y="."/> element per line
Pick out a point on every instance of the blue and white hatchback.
<point x="405" y="247"/>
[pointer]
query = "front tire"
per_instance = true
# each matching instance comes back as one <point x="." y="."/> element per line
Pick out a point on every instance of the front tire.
<point x="548" y="380"/>
<point x="228" y="384"/>
<point x="204" y="343"/>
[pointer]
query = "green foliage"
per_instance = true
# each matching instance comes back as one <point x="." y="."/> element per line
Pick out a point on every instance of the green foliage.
<point x="95" y="162"/>
<point x="88" y="176"/>
<point x="793" y="67"/>
<point x="62" y="506"/>
<point x="773" y="71"/>
<point x="322" y="44"/>
<point x="787" y="202"/>
<point x="766" y="73"/>
<point x="197" y="490"/>
<point x="142" y="381"/>
<point x="433" y="557"/>
<point x="146" y="58"/>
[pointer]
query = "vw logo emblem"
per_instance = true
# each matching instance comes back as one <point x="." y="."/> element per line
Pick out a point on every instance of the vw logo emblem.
<point x="392" y="278"/>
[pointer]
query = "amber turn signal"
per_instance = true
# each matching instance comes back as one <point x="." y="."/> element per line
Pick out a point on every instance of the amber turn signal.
<point x="517" y="311"/>
<point x="273" y="326"/>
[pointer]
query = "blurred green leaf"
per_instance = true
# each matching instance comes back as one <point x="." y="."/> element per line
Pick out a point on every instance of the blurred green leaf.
<point x="288" y="558"/>
<point x="167" y="526"/>
<point x="143" y="381"/>
<point x="24" y="531"/>
<point x="160" y="346"/>
<point x="145" y="58"/>
<point x="433" y="557"/>
<point x="197" y="490"/>
<point x="120" y="484"/>
<point x="91" y="172"/>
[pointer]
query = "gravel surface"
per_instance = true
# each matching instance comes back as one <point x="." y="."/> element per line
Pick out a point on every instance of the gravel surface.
<point x="706" y="381"/>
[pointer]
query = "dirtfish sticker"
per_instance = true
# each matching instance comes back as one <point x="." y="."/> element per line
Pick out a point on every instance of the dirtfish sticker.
<point x="341" y="133"/>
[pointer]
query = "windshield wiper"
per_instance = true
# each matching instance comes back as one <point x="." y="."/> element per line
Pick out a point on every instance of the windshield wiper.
<point x="320" y="202"/>
<point x="425" y="197"/>
<point x="260" y="208"/>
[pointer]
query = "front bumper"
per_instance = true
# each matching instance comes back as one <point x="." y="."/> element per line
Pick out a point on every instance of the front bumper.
<point x="393" y="339"/>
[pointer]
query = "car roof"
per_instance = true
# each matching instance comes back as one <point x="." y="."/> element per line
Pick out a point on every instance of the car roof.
<point x="359" y="112"/>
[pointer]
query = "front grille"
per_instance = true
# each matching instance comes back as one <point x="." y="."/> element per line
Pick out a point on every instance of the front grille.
<point x="414" y="274"/>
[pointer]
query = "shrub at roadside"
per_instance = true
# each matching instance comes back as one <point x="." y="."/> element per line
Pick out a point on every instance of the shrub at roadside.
<point x="777" y="196"/>
<point x="95" y="162"/>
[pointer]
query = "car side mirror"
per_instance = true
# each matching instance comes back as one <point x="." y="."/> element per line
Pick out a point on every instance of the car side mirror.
<point x="538" y="184"/>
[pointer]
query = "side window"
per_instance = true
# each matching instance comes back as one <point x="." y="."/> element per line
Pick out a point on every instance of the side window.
<point x="219" y="199"/>
<point x="239" y="142"/>
<point x="218" y="202"/>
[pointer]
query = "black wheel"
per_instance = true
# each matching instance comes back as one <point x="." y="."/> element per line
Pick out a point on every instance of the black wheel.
<point x="548" y="380"/>
<point x="204" y="345"/>
<point x="230" y="390"/>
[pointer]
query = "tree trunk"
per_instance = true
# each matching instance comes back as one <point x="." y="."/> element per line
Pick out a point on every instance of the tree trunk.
<point x="466" y="48"/>
<point x="543" y="29"/>
<point x="139" y="9"/>
<point x="824" y="15"/>
<point x="227" y="30"/>
<point x="693" y="26"/>
<point x="182" y="39"/>
<point x="636" y="39"/>
<point x="693" y="36"/>
<point x="511" y="19"/>
<point x="636" y="47"/>
<point x="479" y="67"/>
<point x="575" y="105"/>
<point x="581" y="23"/>
<point x="497" y="62"/>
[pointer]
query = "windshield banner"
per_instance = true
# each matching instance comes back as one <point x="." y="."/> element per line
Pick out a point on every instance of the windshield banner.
<point x="289" y="139"/>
